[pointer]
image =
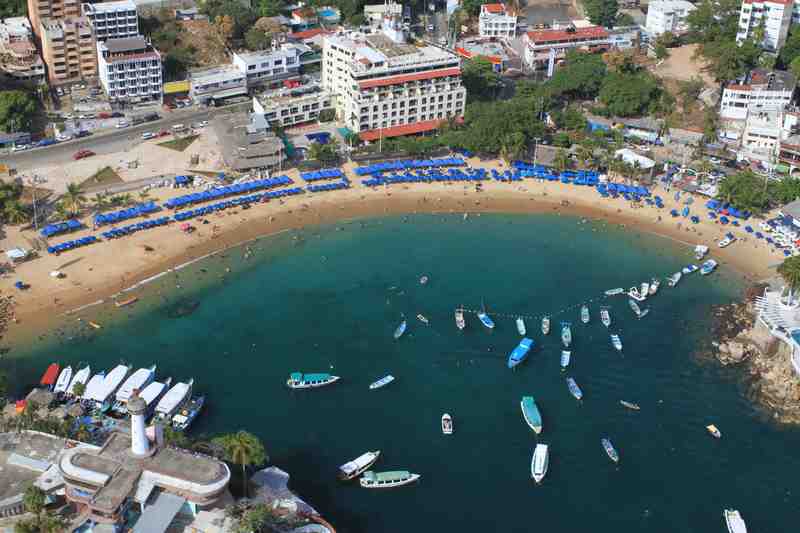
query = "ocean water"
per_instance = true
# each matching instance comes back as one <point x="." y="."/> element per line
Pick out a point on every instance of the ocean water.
<point x="329" y="299"/>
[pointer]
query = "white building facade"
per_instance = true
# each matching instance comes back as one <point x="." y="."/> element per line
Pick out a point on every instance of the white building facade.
<point x="774" y="15"/>
<point x="668" y="16"/>
<point x="287" y="110"/>
<point x="269" y="66"/>
<point x="217" y="83"/>
<point x="495" y="20"/>
<point x="129" y="70"/>
<point x="19" y="58"/>
<point x="542" y="45"/>
<point x="112" y="20"/>
<point x="760" y="90"/>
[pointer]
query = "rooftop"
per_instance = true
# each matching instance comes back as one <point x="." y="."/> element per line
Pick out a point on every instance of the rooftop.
<point x="667" y="5"/>
<point x="375" y="52"/>
<point x="243" y="149"/>
<point x="576" y="34"/>
<point x="25" y="448"/>
<point x="494" y="9"/>
<point x="126" y="44"/>
<point x="210" y="75"/>
<point x="108" y="7"/>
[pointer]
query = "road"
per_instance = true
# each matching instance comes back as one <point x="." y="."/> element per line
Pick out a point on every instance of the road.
<point x="106" y="142"/>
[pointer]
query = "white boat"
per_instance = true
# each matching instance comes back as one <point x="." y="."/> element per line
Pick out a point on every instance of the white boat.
<point x="93" y="385"/>
<point x="643" y="314"/>
<point x="423" y="280"/>
<point x="734" y="521"/>
<point x="447" y="424"/>
<point x="726" y="241"/>
<point x="521" y="326"/>
<point x="358" y="466"/>
<point x="644" y="290"/>
<point x="460" y="322"/>
<point x="610" y="450"/>
<point x="630" y="405"/>
<point x="674" y="279"/>
<point x="576" y="391"/>
<point x="708" y="267"/>
<point x="540" y="462"/>
<point x="688" y="269"/>
<point x="387" y="480"/>
<point x="700" y="251"/>
<point x="64" y="379"/>
<point x="173" y="399"/>
<point x="566" y="334"/>
<point x="422" y="319"/>
<point x="101" y="395"/>
<point x="565" y="356"/>
<point x="381" y="382"/>
<point x="614" y="292"/>
<point x="616" y="342"/>
<point x="605" y="317"/>
<point x="298" y="380"/>
<point x="635" y="307"/>
<point x="154" y="390"/>
<point x="545" y="325"/>
<point x="81" y="376"/>
<point x="138" y="380"/>
<point x="585" y="314"/>
<point x="714" y="431"/>
<point x="485" y="319"/>
<point x="634" y="293"/>
<point x="654" y="285"/>
<point x="400" y="329"/>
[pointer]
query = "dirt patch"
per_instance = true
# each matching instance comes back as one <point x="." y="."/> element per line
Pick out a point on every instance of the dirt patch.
<point x="681" y="65"/>
<point x="103" y="177"/>
<point x="180" y="144"/>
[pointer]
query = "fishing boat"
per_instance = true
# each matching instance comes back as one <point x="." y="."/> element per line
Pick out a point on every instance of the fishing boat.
<point x="520" y="353"/>
<point x="574" y="389"/>
<point x="630" y="405"/>
<point x="688" y="269"/>
<point x="101" y="393"/>
<point x="172" y="400"/>
<point x="359" y="465"/>
<point x="674" y="279"/>
<point x="728" y="240"/>
<point x="95" y="325"/>
<point x="460" y="322"/>
<point x="644" y="289"/>
<point x="387" y="480"/>
<point x="609" y="448"/>
<point x="714" y="431"/>
<point x="63" y="380"/>
<point x="614" y="292"/>
<point x="447" y="424"/>
<point x="635" y="307"/>
<point x="187" y="415"/>
<point x="422" y="319"/>
<point x="50" y="376"/>
<point x="539" y="462"/>
<point x="700" y="251"/>
<point x="708" y="267"/>
<point x="545" y="325"/>
<point x="654" y="285"/>
<point x="400" y="329"/>
<point x="81" y="376"/>
<point x="127" y="302"/>
<point x="138" y="380"/>
<point x="521" y="326"/>
<point x="605" y="317"/>
<point x="734" y="521"/>
<point x="565" y="355"/>
<point x="566" y="334"/>
<point x="298" y="380"/>
<point x="530" y="412"/>
<point x="616" y="342"/>
<point x="585" y="314"/>
<point x="153" y="392"/>
<point x="385" y="380"/>
<point x="485" y="319"/>
<point x="634" y="293"/>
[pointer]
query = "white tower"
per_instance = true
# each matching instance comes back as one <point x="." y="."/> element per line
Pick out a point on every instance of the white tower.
<point x="140" y="446"/>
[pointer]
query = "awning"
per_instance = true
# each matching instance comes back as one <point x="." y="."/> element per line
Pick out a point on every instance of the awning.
<point x="157" y="516"/>
<point x="174" y="87"/>
<point x="396" y="131"/>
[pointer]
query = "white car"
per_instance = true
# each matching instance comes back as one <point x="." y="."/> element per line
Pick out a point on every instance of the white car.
<point x="203" y="123"/>
<point x="148" y="135"/>
<point x="122" y="124"/>
<point x="20" y="147"/>
<point x="63" y="138"/>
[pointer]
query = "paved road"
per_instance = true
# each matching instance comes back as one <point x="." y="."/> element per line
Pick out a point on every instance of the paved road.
<point x="106" y="142"/>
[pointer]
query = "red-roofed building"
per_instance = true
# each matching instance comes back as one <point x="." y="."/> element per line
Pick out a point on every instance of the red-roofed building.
<point x="399" y="131"/>
<point x="304" y="17"/>
<point x="497" y="21"/>
<point x="776" y="16"/>
<point x="539" y="43"/>
<point x="308" y="35"/>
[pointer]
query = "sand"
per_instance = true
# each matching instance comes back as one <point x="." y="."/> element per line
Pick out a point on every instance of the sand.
<point x="99" y="271"/>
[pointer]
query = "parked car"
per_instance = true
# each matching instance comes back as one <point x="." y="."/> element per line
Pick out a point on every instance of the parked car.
<point x="104" y="115"/>
<point x="714" y="160"/>
<point x="46" y="142"/>
<point x="163" y="133"/>
<point x="63" y="138"/>
<point x="82" y="133"/>
<point x="117" y="114"/>
<point x="69" y="116"/>
<point x="20" y="147"/>
<point x="82" y="154"/>
<point x="122" y="124"/>
<point x="148" y="135"/>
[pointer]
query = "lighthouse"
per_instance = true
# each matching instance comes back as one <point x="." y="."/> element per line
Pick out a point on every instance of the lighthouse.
<point x="140" y="447"/>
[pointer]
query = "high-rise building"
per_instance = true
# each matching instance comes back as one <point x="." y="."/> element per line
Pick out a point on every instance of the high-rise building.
<point x="668" y="16"/>
<point x="129" y="69"/>
<point x="774" y="16"/>
<point x="112" y="20"/>
<point x="68" y="49"/>
<point x="54" y="9"/>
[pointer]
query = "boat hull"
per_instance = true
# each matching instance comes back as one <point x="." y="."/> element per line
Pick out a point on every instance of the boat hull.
<point x="533" y="418"/>
<point x="412" y="479"/>
<point x="305" y="385"/>
<point x="344" y="476"/>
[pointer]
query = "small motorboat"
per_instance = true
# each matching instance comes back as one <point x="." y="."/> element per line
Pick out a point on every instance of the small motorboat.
<point x="422" y="319"/>
<point x="643" y="314"/>
<point x="356" y="467"/>
<point x="539" y="462"/>
<point x="616" y="342"/>
<point x="614" y="292"/>
<point x="460" y="322"/>
<point x="531" y="414"/>
<point x="423" y="280"/>
<point x="644" y="290"/>
<point x="387" y="480"/>
<point x="605" y="317"/>
<point x="521" y="326"/>
<point x="385" y="380"/>
<point x="566" y="334"/>
<point x="708" y="267"/>
<point x="734" y="521"/>
<point x="574" y="389"/>
<point x="545" y="325"/>
<point x="635" y="307"/>
<point x="630" y="405"/>
<point x="700" y="251"/>
<point x="124" y="303"/>
<point x="585" y="314"/>
<point x="714" y="431"/>
<point x="654" y="285"/>
<point x="610" y="450"/>
<point x="727" y="241"/>
<point x="565" y="355"/>
<point x="520" y="352"/>
<point x="634" y="293"/>
<point x="447" y="424"/>
<point x="95" y="325"/>
<point x="674" y="279"/>
<point x="298" y="380"/>
<point x="486" y="320"/>
<point x="688" y="269"/>
<point x="400" y="329"/>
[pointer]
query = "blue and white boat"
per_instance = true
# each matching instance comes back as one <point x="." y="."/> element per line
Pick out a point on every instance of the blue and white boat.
<point x="400" y="329"/>
<point x="574" y="389"/>
<point x="688" y="269"/>
<point x="520" y="353"/>
<point x="530" y="412"/>
<point x="298" y="380"/>
<point x="610" y="450"/>
<point x="485" y="319"/>
<point x="708" y="267"/>
<point x="565" y="355"/>
<point x="187" y="414"/>
<point x="616" y="342"/>
<point x="381" y="382"/>
<point x="566" y="334"/>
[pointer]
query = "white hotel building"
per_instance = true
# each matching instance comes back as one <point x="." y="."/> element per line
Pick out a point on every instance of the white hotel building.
<point x="758" y="91"/>
<point x="776" y="16"/>
<point x="129" y="69"/>
<point x="384" y="87"/>
<point x="112" y="20"/>
<point x="667" y="16"/>
<point x="495" y="20"/>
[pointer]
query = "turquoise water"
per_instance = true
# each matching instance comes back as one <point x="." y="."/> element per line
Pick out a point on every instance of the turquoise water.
<point x="328" y="299"/>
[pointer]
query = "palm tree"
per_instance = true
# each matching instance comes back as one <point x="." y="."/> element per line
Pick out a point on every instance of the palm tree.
<point x="585" y="154"/>
<point x="73" y="199"/>
<point x="790" y="271"/>
<point x="34" y="500"/>
<point x="15" y="213"/>
<point x="144" y="196"/>
<point x="79" y="389"/>
<point x="561" y="160"/>
<point x="59" y="211"/>
<point x="100" y="202"/>
<point x="244" y="449"/>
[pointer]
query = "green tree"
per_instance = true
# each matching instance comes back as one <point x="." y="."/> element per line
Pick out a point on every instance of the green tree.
<point x="82" y="432"/>
<point x="176" y="438"/>
<point x="240" y="15"/>
<point x="580" y="77"/>
<point x="794" y="67"/>
<point x="689" y="91"/>
<point x="570" y="119"/>
<point x="269" y="8"/>
<point x="472" y="7"/>
<point x="34" y="500"/>
<point x="256" y="39"/>
<point x="244" y="449"/>
<point x="790" y="271"/>
<point x="601" y="12"/>
<point x="479" y="78"/>
<point x="791" y="49"/>
<point x="514" y="146"/>
<point x="17" y="109"/>
<point x="744" y="190"/>
<point x="661" y="51"/>
<point x="13" y="8"/>
<point x="73" y="199"/>
<point x="628" y="95"/>
<point x="15" y="213"/>
<point x="79" y="389"/>
<point x="561" y="160"/>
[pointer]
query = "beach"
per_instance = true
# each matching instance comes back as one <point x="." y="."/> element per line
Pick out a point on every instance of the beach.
<point x="100" y="271"/>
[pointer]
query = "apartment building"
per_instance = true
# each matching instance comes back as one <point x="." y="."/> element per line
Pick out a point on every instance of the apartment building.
<point x="289" y="107"/>
<point x="112" y="20"/>
<point x="217" y="83"/>
<point x="774" y="15"/>
<point x="759" y="90"/>
<point x="19" y="58"/>
<point x="268" y="67"/>
<point x="384" y="87"/>
<point x="667" y="16"/>
<point x="542" y="45"/>
<point x="68" y="49"/>
<point x="495" y="20"/>
<point x="129" y="69"/>
<point x="39" y="10"/>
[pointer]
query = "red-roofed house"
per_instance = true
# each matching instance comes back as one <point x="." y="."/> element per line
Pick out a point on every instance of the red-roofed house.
<point x="496" y="21"/>
<point x="304" y="17"/>
<point x="776" y="16"/>
<point x="539" y="43"/>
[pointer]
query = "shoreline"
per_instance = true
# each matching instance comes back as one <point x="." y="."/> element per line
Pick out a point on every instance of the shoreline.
<point x="127" y="269"/>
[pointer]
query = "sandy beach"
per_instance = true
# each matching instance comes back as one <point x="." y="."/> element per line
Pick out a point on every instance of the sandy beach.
<point x="99" y="271"/>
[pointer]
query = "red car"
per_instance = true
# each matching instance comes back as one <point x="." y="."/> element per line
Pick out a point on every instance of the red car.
<point x="80" y="154"/>
<point x="162" y="133"/>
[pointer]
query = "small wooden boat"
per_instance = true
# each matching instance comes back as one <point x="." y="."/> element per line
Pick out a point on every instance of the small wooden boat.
<point x="605" y="317"/>
<point x="129" y="301"/>
<point x="400" y="329"/>
<point x="585" y="314"/>
<point x="298" y="380"/>
<point x="447" y="424"/>
<point x="540" y="462"/>
<point x="358" y="466"/>
<point x="714" y="431"/>
<point x="566" y="334"/>
<point x="565" y="355"/>
<point x="734" y="521"/>
<point x="530" y="412"/>
<point x="521" y="326"/>
<point x="616" y="342"/>
<point x="574" y="389"/>
<point x="460" y="322"/>
<point x="545" y="325"/>
<point x="654" y="285"/>
<point x="630" y="405"/>
<point x="381" y="382"/>
<point x="95" y="325"/>
<point x="422" y="319"/>
<point x="387" y="480"/>
<point x="610" y="450"/>
<point x="614" y="292"/>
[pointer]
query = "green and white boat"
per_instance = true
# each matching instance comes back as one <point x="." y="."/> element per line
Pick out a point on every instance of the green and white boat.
<point x="387" y="480"/>
<point x="530" y="412"/>
<point x="298" y="380"/>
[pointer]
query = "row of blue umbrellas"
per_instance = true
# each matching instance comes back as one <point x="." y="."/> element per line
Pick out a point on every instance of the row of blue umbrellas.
<point x="134" y="228"/>
<point x="60" y="227"/>
<point x="389" y="166"/>
<point x="221" y="192"/>
<point x="125" y="214"/>
<point x="344" y="184"/>
<point x="69" y="245"/>
<point x="324" y="174"/>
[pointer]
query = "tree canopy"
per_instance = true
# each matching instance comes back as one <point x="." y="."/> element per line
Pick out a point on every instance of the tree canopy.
<point x="256" y="39"/>
<point x="13" y="8"/>
<point x="241" y="16"/>
<point x="244" y="449"/>
<point x="628" y="95"/>
<point x="601" y="12"/>
<point x="580" y="77"/>
<point x="17" y="109"/>
<point x="790" y="271"/>
<point x="479" y="78"/>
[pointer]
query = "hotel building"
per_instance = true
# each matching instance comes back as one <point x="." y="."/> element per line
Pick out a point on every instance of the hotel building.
<point x="129" y="69"/>
<point x="541" y="44"/>
<point x="112" y="20"/>
<point x="68" y="49"/>
<point x="19" y="58"/>
<point x="39" y="10"/>
<point x="775" y="15"/>
<point x="495" y="20"/>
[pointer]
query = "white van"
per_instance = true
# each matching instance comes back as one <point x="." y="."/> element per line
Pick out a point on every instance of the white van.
<point x="178" y="127"/>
